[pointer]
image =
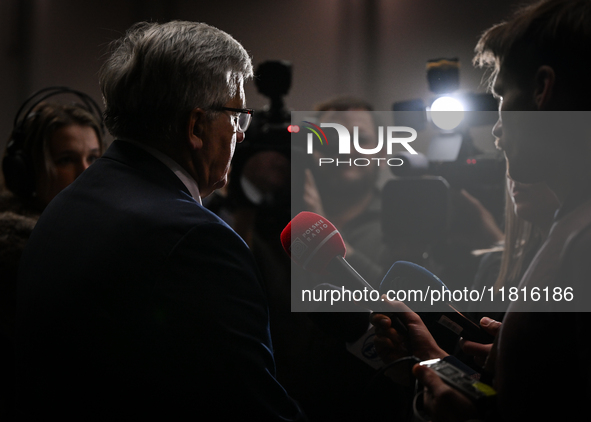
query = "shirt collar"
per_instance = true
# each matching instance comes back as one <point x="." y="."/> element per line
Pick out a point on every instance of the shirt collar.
<point x="180" y="172"/>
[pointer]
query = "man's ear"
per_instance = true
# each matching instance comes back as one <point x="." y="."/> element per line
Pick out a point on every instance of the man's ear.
<point x="545" y="87"/>
<point x="196" y="128"/>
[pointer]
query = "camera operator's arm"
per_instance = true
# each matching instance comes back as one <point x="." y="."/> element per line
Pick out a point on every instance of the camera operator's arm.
<point x="394" y="343"/>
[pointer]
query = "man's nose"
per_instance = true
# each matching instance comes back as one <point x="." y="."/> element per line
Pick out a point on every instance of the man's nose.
<point x="240" y="136"/>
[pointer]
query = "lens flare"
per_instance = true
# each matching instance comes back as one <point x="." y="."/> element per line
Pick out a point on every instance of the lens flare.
<point x="446" y="113"/>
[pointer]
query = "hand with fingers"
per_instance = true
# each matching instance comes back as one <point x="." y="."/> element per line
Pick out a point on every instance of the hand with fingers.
<point x="481" y="352"/>
<point x="442" y="402"/>
<point x="401" y="333"/>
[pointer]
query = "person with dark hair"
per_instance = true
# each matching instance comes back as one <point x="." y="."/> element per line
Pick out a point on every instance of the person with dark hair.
<point x="147" y="305"/>
<point x="349" y="196"/>
<point x="543" y="130"/>
<point x="47" y="150"/>
<point x="52" y="146"/>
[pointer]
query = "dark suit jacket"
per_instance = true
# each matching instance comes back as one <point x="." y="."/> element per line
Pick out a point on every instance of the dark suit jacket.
<point x="135" y="301"/>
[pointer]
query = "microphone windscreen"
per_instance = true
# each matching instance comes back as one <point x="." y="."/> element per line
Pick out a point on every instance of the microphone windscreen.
<point x="405" y="275"/>
<point x="312" y="241"/>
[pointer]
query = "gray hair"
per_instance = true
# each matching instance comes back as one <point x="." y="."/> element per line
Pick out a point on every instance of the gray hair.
<point x="158" y="73"/>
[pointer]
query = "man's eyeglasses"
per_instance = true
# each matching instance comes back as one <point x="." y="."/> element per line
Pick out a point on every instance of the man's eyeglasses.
<point x="244" y="117"/>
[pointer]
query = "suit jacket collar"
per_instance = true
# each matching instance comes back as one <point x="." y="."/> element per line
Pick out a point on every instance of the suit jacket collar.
<point x="140" y="159"/>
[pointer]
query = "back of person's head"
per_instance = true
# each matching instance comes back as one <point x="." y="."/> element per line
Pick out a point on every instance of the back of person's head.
<point x="556" y="33"/>
<point x="345" y="103"/>
<point x="158" y="73"/>
<point x="27" y="158"/>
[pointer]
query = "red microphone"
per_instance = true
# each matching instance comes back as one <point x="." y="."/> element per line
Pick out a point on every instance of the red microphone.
<point x="314" y="243"/>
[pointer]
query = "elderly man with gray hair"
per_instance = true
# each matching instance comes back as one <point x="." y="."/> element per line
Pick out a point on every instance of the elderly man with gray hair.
<point x="134" y="300"/>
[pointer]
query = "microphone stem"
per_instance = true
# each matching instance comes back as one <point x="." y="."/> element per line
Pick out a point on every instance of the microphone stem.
<point x="339" y="267"/>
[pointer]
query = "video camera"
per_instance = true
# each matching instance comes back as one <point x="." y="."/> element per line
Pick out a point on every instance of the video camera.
<point x="418" y="203"/>
<point x="451" y="153"/>
<point x="261" y="175"/>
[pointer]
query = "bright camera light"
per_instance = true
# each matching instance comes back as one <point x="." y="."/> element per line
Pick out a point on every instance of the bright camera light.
<point x="447" y="113"/>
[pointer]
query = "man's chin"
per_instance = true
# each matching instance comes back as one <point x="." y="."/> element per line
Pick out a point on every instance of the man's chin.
<point x="220" y="184"/>
<point x="217" y="185"/>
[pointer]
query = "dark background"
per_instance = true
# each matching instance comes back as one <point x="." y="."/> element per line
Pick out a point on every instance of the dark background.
<point x="370" y="48"/>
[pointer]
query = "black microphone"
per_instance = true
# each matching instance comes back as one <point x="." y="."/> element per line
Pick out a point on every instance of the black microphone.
<point x="407" y="276"/>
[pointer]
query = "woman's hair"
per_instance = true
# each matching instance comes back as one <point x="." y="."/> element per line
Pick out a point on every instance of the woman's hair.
<point x="556" y="33"/>
<point x="31" y="148"/>
<point x="522" y="241"/>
